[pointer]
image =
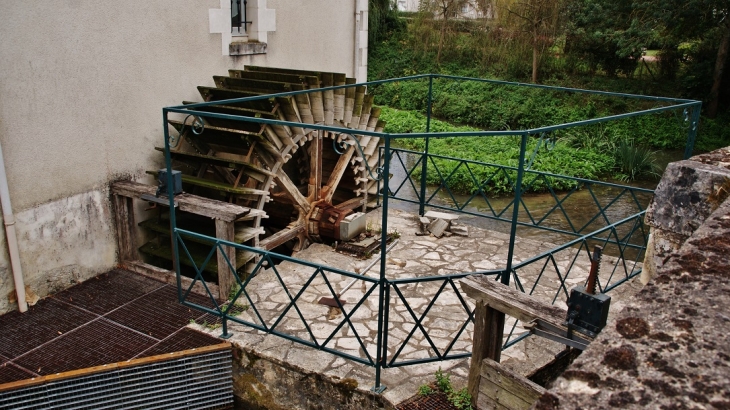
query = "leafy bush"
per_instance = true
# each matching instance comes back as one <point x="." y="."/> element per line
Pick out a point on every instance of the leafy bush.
<point x="486" y="52"/>
<point x="635" y="162"/>
<point x="563" y="159"/>
<point x="461" y="399"/>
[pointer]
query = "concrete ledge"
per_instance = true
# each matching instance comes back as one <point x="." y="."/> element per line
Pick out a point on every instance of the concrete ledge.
<point x="241" y="48"/>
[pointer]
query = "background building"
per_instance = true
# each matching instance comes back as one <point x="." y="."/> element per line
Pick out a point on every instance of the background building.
<point x="82" y="88"/>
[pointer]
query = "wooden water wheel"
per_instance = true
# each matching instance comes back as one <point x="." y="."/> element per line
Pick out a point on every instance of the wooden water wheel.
<point x="300" y="183"/>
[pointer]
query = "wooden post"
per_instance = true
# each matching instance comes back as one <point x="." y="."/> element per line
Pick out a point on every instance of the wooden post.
<point x="488" y="325"/>
<point x="225" y="230"/>
<point x="126" y="233"/>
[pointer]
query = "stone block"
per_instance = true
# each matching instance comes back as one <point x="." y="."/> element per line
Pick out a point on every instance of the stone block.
<point x="460" y="230"/>
<point x="352" y="225"/>
<point x="437" y="227"/>
<point x="441" y="215"/>
<point x="682" y="199"/>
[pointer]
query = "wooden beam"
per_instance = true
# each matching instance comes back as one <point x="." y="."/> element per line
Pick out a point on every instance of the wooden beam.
<point x="281" y="237"/>
<point x="511" y="302"/>
<point x="285" y="183"/>
<point x="186" y="202"/>
<point x="315" y="166"/>
<point x="488" y="329"/>
<point x="337" y="172"/>
<point x="225" y="230"/>
<point x="501" y="388"/>
<point x="126" y="234"/>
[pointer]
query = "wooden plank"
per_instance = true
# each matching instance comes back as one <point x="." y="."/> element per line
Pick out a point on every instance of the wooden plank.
<point x="337" y="172"/>
<point x="165" y="251"/>
<point x="509" y="389"/>
<point x="246" y="233"/>
<point x="231" y="137"/>
<point x="349" y="101"/>
<point x="281" y="70"/>
<point x="281" y="237"/>
<point x="339" y="80"/>
<point x="374" y="118"/>
<point x="233" y="110"/>
<point x="126" y="233"/>
<point x="251" y="85"/>
<point x="226" y="279"/>
<point x="248" y="168"/>
<point x="351" y="203"/>
<point x="315" y="168"/>
<point x="487" y="344"/>
<point x="485" y="403"/>
<point x="290" y="113"/>
<point x="291" y="190"/>
<point x="249" y="193"/>
<point x="511" y="302"/>
<point x="357" y="107"/>
<point x="315" y="101"/>
<point x="217" y="94"/>
<point x="367" y="105"/>
<point x="305" y="105"/>
<point x="329" y="98"/>
<point x="186" y="202"/>
<point x="272" y="76"/>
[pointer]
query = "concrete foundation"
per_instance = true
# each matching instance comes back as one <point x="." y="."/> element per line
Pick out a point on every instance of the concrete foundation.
<point x="61" y="243"/>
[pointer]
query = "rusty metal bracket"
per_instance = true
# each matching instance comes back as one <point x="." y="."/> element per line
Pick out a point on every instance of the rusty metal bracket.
<point x="544" y="329"/>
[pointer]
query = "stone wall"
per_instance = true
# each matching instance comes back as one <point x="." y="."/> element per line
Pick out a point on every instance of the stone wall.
<point x="670" y="348"/>
<point x="263" y="382"/>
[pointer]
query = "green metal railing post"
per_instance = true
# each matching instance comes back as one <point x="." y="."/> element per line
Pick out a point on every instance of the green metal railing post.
<point x="694" y="122"/>
<point x="171" y="200"/>
<point x="515" y="210"/>
<point x="380" y="358"/>
<point x="424" y="158"/>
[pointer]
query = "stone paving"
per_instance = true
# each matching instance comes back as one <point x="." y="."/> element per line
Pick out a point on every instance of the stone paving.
<point x="445" y="322"/>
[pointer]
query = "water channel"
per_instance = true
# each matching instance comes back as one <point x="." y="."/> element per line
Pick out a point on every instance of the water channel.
<point x="578" y="210"/>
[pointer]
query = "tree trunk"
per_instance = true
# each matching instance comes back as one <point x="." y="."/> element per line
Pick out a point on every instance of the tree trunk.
<point x="441" y="38"/>
<point x="722" y="53"/>
<point x="535" y="53"/>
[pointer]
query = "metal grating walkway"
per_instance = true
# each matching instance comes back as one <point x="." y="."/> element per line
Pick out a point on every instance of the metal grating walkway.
<point x="114" y="317"/>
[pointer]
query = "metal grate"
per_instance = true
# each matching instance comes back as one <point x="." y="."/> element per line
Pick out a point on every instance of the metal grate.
<point x="11" y="373"/>
<point x="201" y="381"/>
<point x="42" y="323"/>
<point x="158" y="313"/>
<point x="435" y="401"/>
<point x="184" y="339"/>
<point x="108" y="291"/>
<point x="97" y="343"/>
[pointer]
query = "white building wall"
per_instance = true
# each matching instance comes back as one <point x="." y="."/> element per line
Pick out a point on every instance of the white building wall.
<point x="82" y="88"/>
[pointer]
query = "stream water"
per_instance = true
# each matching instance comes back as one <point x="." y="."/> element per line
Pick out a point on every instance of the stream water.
<point x="579" y="209"/>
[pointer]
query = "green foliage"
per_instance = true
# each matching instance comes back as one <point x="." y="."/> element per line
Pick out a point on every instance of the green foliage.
<point x="484" y="50"/>
<point x="606" y="34"/>
<point x="443" y="381"/>
<point x="461" y="399"/>
<point x="563" y="159"/>
<point x="425" y="390"/>
<point x="635" y="162"/>
<point x="382" y="20"/>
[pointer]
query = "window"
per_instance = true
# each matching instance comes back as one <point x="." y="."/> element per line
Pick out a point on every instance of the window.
<point x="239" y="21"/>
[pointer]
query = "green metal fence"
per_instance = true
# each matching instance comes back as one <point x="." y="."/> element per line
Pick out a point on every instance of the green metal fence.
<point x="616" y="223"/>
